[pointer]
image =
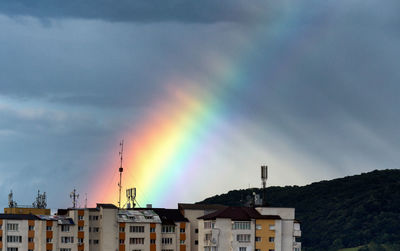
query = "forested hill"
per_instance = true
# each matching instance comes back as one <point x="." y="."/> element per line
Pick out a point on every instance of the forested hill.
<point x="346" y="212"/>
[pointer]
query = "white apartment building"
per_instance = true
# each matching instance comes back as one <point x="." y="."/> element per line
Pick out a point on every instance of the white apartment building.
<point x="192" y="212"/>
<point x="191" y="227"/>
<point x="248" y="229"/>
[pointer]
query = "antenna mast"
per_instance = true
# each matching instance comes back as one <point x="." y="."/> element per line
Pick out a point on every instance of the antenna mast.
<point x="74" y="196"/>
<point x="120" y="172"/>
<point x="264" y="177"/>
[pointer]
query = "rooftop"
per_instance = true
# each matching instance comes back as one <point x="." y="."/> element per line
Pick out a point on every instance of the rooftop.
<point x="238" y="213"/>
<point x="200" y="206"/>
<point x="19" y="217"/>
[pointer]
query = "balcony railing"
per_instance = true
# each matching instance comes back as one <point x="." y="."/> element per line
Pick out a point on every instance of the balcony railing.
<point x="297" y="233"/>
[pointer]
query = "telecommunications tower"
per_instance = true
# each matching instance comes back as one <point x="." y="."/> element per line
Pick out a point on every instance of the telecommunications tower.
<point x="264" y="177"/>
<point x="121" y="144"/>
<point x="74" y="196"/>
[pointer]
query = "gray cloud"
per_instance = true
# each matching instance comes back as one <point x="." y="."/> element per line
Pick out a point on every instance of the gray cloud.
<point x="139" y="10"/>
<point x="313" y="92"/>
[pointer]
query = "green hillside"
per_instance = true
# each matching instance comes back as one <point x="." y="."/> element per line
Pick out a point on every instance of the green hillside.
<point x="341" y="213"/>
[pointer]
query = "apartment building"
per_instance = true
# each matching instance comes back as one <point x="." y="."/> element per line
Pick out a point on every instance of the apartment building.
<point x="192" y="212"/>
<point x="175" y="232"/>
<point x="190" y="227"/>
<point x="247" y="229"/>
<point x="31" y="232"/>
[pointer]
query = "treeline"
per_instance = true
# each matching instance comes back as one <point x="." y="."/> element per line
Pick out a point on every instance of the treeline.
<point x="348" y="212"/>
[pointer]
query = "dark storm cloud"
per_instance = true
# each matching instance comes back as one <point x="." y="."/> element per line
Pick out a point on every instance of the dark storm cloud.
<point x="318" y="85"/>
<point x="138" y="10"/>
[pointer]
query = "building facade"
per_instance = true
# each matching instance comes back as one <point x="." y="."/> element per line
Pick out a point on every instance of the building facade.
<point x="190" y="227"/>
<point x="249" y="229"/>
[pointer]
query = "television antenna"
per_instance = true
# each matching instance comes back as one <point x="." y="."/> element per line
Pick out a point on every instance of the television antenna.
<point x="74" y="196"/>
<point x="121" y="169"/>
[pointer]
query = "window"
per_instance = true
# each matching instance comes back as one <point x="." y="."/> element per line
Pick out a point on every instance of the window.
<point x="152" y="230"/>
<point x="95" y="229"/>
<point x="49" y="240"/>
<point x="243" y="238"/>
<point x="80" y="217"/>
<point x="95" y="241"/>
<point x="48" y="228"/>
<point x="67" y="239"/>
<point x="182" y="230"/>
<point x="196" y="231"/>
<point x="168" y="229"/>
<point x="257" y="249"/>
<point x="210" y="248"/>
<point x="209" y="224"/>
<point x="95" y="217"/>
<point x="271" y="227"/>
<point x="296" y="249"/>
<point x="12" y="249"/>
<point x="30" y="239"/>
<point x="196" y="242"/>
<point x="64" y="228"/>
<point x="166" y="240"/>
<point x="241" y="225"/>
<point x="152" y="241"/>
<point x="12" y="227"/>
<point x="242" y="248"/>
<point x="207" y="237"/>
<point x="136" y="241"/>
<point x="258" y="239"/>
<point x="31" y="228"/>
<point x="80" y="229"/>
<point x="14" y="238"/>
<point x="121" y="241"/>
<point x="271" y="249"/>
<point x="271" y="239"/>
<point x="65" y="249"/>
<point x="80" y="240"/>
<point x="182" y="242"/>
<point x="258" y="227"/>
<point x="121" y="229"/>
<point x="148" y="217"/>
<point x="136" y="229"/>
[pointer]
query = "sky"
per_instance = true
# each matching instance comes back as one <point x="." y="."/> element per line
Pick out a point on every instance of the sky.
<point x="202" y="92"/>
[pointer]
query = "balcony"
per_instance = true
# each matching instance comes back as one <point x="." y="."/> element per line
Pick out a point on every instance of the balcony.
<point x="209" y="243"/>
<point x="297" y="233"/>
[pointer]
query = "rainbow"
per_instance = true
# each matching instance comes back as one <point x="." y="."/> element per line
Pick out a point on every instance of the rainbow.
<point x="161" y="151"/>
<point x="165" y="147"/>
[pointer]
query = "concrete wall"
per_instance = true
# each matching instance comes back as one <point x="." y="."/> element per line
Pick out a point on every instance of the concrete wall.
<point x="108" y="230"/>
<point x="192" y="216"/>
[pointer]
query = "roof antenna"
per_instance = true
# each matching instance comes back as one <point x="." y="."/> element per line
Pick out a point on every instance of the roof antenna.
<point x="85" y="200"/>
<point x="131" y="197"/>
<point x="264" y="177"/>
<point x="11" y="201"/>
<point x="74" y="196"/>
<point x="120" y="172"/>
